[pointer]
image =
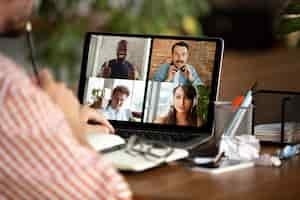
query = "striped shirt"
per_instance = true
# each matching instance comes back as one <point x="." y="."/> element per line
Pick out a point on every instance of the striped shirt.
<point x="39" y="157"/>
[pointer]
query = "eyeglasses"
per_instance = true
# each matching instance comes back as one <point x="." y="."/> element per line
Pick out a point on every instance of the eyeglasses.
<point x="151" y="151"/>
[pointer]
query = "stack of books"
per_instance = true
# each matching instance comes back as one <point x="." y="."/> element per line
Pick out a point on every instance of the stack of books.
<point x="271" y="132"/>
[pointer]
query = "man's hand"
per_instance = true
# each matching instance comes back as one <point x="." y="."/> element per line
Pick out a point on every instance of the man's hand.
<point x="98" y="123"/>
<point x="188" y="74"/>
<point x="63" y="98"/>
<point x="171" y="73"/>
<point x="106" y="70"/>
<point x="132" y="73"/>
<point x="77" y="116"/>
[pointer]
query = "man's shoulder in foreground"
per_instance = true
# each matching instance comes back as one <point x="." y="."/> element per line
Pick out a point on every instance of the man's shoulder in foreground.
<point x="42" y="159"/>
<point x="11" y="75"/>
<point x="7" y="66"/>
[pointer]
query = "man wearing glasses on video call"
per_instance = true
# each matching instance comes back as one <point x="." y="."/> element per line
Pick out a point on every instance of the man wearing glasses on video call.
<point x="42" y="152"/>
<point x="178" y="71"/>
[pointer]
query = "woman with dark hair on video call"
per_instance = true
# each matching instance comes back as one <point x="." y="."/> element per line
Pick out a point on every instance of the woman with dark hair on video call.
<point x="183" y="110"/>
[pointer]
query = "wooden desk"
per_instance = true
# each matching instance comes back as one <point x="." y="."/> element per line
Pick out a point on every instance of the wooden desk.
<point x="173" y="182"/>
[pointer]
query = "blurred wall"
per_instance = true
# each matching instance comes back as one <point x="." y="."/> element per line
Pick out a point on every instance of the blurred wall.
<point x="274" y="69"/>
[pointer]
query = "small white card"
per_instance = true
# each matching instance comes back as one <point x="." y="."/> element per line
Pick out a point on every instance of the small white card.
<point x="103" y="141"/>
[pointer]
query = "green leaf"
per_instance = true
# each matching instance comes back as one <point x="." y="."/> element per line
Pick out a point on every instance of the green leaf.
<point x="100" y="4"/>
<point x="60" y="33"/>
<point x="203" y="101"/>
<point x="293" y="8"/>
<point x="289" y="25"/>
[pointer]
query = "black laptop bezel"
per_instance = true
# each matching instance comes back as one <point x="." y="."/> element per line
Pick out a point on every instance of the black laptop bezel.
<point x="207" y="128"/>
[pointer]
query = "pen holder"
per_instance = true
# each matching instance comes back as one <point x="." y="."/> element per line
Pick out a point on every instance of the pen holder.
<point x="224" y="113"/>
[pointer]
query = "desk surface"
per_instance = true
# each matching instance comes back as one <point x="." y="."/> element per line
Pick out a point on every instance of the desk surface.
<point x="173" y="182"/>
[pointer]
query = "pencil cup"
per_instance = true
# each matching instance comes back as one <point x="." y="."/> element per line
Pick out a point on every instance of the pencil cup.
<point x="224" y="113"/>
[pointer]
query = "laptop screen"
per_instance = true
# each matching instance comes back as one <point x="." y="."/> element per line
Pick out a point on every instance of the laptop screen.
<point x="151" y="81"/>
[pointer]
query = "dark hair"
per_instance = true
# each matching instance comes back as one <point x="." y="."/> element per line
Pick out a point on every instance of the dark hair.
<point x="188" y="89"/>
<point x="122" y="43"/>
<point x="121" y="89"/>
<point x="191" y="94"/>
<point x="182" y="44"/>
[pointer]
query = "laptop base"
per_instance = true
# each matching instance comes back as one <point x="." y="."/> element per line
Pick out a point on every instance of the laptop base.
<point x="178" y="140"/>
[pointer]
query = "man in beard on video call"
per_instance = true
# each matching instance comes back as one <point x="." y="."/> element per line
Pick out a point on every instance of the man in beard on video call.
<point x="178" y="71"/>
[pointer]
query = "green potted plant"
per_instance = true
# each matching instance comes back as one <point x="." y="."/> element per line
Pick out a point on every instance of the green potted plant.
<point x="290" y="24"/>
<point x="203" y="102"/>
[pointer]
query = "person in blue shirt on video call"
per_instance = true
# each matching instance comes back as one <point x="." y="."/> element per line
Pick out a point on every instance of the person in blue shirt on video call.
<point x="178" y="71"/>
<point x="115" y="109"/>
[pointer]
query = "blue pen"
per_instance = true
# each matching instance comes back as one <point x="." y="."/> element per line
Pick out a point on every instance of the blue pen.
<point x="289" y="151"/>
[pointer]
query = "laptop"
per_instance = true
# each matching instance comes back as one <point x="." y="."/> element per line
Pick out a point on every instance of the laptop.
<point x="161" y="88"/>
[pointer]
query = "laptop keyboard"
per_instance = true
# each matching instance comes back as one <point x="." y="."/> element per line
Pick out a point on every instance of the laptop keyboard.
<point x="167" y="138"/>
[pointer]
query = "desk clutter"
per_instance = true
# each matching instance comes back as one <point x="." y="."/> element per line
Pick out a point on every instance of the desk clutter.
<point x="274" y="119"/>
<point x="241" y="152"/>
<point x="235" y="153"/>
<point x="239" y="129"/>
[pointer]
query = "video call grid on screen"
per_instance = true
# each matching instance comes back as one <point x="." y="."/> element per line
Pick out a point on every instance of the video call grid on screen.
<point x="150" y="80"/>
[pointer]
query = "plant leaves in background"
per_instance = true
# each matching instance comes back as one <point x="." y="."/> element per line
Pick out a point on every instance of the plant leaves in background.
<point x="62" y="24"/>
<point x="290" y="22"/>
<point x="289" y="25"/>
<point x="203" y="93"/>
<point x="293" y="8"/>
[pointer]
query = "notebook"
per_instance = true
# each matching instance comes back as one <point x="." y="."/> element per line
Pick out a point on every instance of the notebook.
<point x="127" y="162"/>
<point x="161" y="88"/>
<point x="113" y="148"/>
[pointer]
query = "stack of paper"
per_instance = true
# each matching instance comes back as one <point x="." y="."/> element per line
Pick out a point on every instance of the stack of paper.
<point x="272" y="132"/>
<point x="103" y="141"/>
